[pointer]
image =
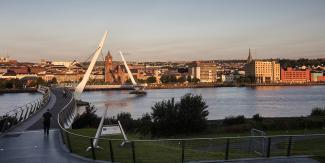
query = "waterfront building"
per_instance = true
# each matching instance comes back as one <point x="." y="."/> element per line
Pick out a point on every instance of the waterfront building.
<point x="317" y="76"/>
<point x="314" y="76"/>
<point x="206" y="72"/>
<point x="320" y="78"/>
<point x="290" y="75"/>
<point x="262" y="71"/>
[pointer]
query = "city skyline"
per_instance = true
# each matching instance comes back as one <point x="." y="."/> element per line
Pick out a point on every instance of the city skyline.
<point x="161" y="30"/>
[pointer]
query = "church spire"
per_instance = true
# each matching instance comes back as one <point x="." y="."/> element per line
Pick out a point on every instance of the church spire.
<point x="249" y="59"/>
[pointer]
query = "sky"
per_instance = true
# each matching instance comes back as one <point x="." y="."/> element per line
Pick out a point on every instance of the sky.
<point x="162" y="30"/>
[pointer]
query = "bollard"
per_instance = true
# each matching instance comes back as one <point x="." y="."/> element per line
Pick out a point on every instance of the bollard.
<point x="289" y="146"/>
<point x="92" y="149"/>
<point x="227" y="150"/>
<point x="111" y="151"/>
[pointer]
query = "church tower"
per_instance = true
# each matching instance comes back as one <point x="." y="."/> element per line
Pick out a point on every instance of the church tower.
<point x="249" y="59"/>
<point x="108" y="68"/>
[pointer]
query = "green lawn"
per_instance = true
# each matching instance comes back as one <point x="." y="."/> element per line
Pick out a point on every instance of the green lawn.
<point x="171" y="150"/>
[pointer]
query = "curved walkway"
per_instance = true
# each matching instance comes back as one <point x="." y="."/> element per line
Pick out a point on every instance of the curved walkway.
<point x="26" y="142"/>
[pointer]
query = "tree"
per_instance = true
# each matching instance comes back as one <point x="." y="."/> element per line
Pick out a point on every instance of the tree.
<point x="189" y="78"/>
<point x="144" y="125"/>
<point x="87" y="119"/>
<point x="151" y="79"/>
<point x="54" y="81"/>
<point x="126" y="120"/>
<point x="192" y="113"/>
<point x="195" y="80"/>
<point x="164" y="78"/>
<point x="187" y="115"/>
<point x="164" y="116"/>
<point x="182" y="79"/>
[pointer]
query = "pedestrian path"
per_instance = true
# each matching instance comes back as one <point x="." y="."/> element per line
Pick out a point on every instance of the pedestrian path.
<point x="34" y="147"/>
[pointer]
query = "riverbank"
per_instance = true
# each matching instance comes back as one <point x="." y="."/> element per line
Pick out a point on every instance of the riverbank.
<point x="194" y="85"/>
<point x="168" y="86"/>
<point x="212" y="85"/>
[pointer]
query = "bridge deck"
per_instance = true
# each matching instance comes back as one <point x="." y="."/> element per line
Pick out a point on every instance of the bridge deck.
<point x="34" y="147"/>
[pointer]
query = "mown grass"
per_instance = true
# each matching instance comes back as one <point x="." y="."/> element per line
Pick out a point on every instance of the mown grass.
<point x="171" y="151"/>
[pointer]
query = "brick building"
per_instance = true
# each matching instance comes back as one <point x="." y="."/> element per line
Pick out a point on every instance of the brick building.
<point x="290" y="75"/>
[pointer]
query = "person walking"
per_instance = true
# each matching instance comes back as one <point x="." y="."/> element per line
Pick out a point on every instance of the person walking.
<point x="47" y="122"/>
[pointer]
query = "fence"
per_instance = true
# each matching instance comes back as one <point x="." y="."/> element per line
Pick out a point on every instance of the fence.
<point x="14" y="117"/>
<point x="186" y="150"/>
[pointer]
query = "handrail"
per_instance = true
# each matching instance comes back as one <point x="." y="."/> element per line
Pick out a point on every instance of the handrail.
<point x="18" y="115"/>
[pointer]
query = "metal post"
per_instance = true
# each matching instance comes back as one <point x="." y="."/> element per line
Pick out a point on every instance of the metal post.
<point x="111" y="151"/>
<point x="268" y="147"/>
<point x="289" y="146"/>
<point x="227" y="150"/>
<point x="133" y="152"/>
<point x="26" y="113"/>
<point x="183" y="150"/>
<point x="68" y="141"/>
<point x="92" y="149"/>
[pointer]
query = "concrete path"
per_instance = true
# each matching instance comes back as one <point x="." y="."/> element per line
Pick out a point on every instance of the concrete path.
<point x="34" y="147"/>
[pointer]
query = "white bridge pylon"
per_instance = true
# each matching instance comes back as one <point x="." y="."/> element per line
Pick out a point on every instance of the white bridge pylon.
<point x="128" y="70"/>
<point x="138" y="87"/>
<point x="80" y="87"/>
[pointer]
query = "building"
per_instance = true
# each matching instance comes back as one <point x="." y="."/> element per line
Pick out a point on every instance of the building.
<point x="116" y="73"/>
<point x="290" y="75"/>
<point x="206" y="72"/>
<point x="262" y="71"/>
<point x="63" y="63"/>
<point x="320" y="78"/>
<point x="4" y="59"/>
<point x="109" y="76"/>
<point x="315" y="76"/>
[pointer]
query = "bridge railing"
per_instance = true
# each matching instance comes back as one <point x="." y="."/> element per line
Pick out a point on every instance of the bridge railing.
<point x="18" y="115"/>
<point x="185" y="150"/>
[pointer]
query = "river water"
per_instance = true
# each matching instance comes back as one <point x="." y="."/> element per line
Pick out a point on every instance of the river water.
<point x="9" y="101"/>
<point x="275" y="101"/>
<point x="268" y="101"/>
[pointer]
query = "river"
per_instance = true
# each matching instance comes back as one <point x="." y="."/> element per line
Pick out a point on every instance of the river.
<point x="9" y="101"/>
<point x="268" y="101"/>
